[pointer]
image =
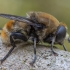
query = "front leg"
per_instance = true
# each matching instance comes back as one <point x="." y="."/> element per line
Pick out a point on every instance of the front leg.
<point x="52" y="43"/>
<point x="51" y="40"/>
<point x="14" y="35"/>
<point x="64" y="47"/>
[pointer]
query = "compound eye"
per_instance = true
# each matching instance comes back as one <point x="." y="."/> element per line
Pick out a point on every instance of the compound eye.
<point x="60" y="34"/>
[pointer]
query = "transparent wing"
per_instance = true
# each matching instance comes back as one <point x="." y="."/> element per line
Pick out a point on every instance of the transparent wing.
<point x="19" y="18"/>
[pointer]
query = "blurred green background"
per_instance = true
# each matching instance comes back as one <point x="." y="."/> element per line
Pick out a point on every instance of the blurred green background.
<point x="58" y="8"/>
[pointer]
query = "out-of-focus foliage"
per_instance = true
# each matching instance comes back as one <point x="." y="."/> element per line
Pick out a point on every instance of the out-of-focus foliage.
<point x="58" y="8"/>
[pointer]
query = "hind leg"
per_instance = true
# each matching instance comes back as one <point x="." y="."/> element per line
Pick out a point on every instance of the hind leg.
<point x="13" y="36"/>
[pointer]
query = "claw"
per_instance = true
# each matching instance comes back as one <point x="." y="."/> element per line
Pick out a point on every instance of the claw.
<point x="55" y="54"/>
